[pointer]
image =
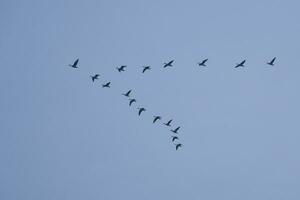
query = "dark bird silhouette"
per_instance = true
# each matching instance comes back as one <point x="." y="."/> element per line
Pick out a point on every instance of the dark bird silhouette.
<point x="131" y="101"/>
<point x="145" y="68"/>
<point x="122" y="68"/>
<point x="168" y="123"/>
<point x="175" y="130"/>
<point x="106" y="85"/>
<point x="96" y="76"/>
<point x="174" y="138"/>
<point x="127" y="94"/>
<point x="74" y="65"/>
<point x="240" y="64"/>
<point x="156" y="118"/>
<point x="169" y="64"/>
<point x="203" y="63"/>
<point x="272" y="61"/>
<point x="141" y="110"/>
<point x="177" y="146"/>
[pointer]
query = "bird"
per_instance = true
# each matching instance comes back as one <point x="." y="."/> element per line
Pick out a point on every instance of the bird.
<point x="272" y="61"/>
<point x="145" y="68"/>
<point x="177" y="146"/>
<point x="203" y="63"/>
<point x="74" y="65"/>
<point x="96" y="76"/>
<point x="156" y="118"/>
<point x="127" y="94"/>
<point x="175" y="130"/>
<point x="174" y="138"/>
<point x="141" y="110"/>
<point x="122" y="68"/>
<point x="169" y="64"/>
<point x="106" y="85"/>
<point x="168" y="123"/>
<point x="131" y="101"/>
<point x="240" y="64"/>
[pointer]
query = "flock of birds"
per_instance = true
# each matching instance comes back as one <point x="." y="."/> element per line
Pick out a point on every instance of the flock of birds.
<point x="156" y="118"/>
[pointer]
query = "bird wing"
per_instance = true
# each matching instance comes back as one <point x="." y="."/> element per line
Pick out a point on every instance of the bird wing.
<point x="76" y="62"/>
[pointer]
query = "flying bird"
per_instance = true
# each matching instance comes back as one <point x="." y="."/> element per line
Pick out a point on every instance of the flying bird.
<point x="96" y="76"/>
<point x="106" y="85"/>
<point x="175" y="130"/>
<point x="272" y="61"/>
<point x="145" y="68"/>
<point x="240" y="64"/>
<point x="122" y="68"/>
<point x="141" y="110"/>
<point x="156" y="118"/>
<point x="169" y="64"/>
<point x="177" y="146"/>
<point x="74" y="65"/>
<point x="127" y="94"/>
<point x="131" y="101"/>
<point x="203" y="63"/>
<point x="168" y="123"/>
<point x="174" y="138"/>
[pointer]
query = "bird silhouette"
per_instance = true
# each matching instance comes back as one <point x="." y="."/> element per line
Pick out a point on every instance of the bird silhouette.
<point x="106" y="85"/>
<point x="272" y="61"/>
<point x="127" y="94"/>
<point x="156" y="118"/>
<point x="74" y="65"/>
<point x="174" y="138"/>
<point x="122" y="68"/>
<point x="145" y="68"/>
<point x="169" y="64"/>
<point x="96" y="76"/>
<point x="240" y="64"/>
<point x="141" y="110"/>
<point x="203" y="63"/>
<point x="168" y="123"/>
<point x="131" y="101"/>
<point x="177" y="146"/>
<point x="175" y="130"/>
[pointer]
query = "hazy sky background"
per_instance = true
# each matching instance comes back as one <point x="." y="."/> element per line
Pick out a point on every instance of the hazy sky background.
<point x="64" y="138"/>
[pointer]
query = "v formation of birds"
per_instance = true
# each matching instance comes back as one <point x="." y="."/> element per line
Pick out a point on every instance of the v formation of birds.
<point x="128" y="94"/>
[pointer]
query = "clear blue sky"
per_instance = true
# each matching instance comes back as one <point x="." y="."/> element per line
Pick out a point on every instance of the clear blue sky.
<point x="64" y="138"/>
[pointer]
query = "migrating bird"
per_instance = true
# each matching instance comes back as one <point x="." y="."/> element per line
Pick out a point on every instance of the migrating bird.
<point x="127" y="94"/>
<point x="106" y="85"/>
<point x="145" y="68"/>
<point x="141" y="110"/>
<point x="240" y="64"/>
<point x="177" y="146"/>
<point x="174" y="138"/>
<point x="74" y="65"/>
<point x="131" y="101"/>
<point x="96" y="76"/>
<point x="156" y="118"/>
<point x="122" y="68"/>
<point x="203" y="63"/>
<point x="169" y="64"/>
<point x="168" y="123"/>
<point x="272" y="61"/>
<point x="175" y="130"/>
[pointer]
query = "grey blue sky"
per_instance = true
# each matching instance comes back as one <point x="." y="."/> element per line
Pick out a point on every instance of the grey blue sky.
<point x="64" y="138"/>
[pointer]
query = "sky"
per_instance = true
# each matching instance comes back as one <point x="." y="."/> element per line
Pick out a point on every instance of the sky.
<point x="64" y="137"/>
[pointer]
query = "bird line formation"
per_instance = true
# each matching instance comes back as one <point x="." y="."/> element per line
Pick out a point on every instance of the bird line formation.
<point x="156" y="118"/>
<point x="174" y="137"/>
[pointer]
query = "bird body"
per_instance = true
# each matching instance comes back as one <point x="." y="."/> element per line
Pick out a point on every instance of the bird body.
<point x="240" y="64"/>
<point x="168" y="123"/>
<point x="145" y="68"/>
<point x="122" y="68"/>
<point x="141" y="110"/>
<point x="74" y="65"/>
<point x="272" y="62"/>
<point x="131" y="101"/>
<point x="96" y="76"/>
<point x="175" y="130"/>
<point x="106" y="85"/>
<point x="156" y="118"/>
<point x="177" y="146"/>
<point x="169" y="64"/>
<point x="174" y="138"/>
<point x="203" y="63"/>
<point x="127" y="94"/>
